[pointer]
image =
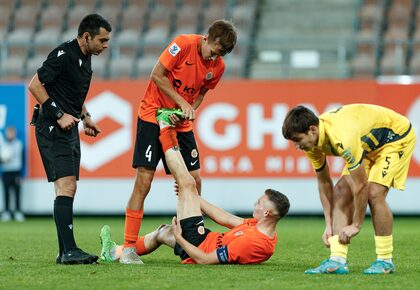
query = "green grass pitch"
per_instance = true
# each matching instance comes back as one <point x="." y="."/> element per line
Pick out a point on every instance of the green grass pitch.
<point x="28" y="250"/>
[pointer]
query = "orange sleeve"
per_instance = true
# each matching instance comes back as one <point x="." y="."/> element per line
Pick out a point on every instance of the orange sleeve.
<point x="176" y="51"/>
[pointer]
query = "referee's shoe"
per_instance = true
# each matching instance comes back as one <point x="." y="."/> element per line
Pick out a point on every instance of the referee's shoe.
<point x="77" y="256"/>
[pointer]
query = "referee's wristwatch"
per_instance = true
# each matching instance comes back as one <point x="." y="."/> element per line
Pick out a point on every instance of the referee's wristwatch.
<point x="59" y="114"/>
<point x="85" y="115"/>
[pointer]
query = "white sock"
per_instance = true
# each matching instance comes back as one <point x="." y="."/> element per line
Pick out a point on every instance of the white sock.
<point x="341" y="260"/>
<point x="386" y="260"/>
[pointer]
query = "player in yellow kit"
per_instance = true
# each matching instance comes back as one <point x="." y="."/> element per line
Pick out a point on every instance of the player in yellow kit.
<point x="377" y="144"/>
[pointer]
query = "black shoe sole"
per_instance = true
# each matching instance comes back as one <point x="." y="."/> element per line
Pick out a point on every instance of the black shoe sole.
<point x="88" y="260"/>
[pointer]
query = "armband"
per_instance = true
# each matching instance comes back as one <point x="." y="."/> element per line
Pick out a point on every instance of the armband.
<point x="52" y="110"/>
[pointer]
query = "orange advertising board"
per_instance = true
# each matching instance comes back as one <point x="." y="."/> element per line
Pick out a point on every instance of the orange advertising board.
<point x="238" y="128"/>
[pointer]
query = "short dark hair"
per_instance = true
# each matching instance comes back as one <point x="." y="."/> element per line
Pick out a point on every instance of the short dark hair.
<point x="298" y="120"/>
<point x="226" y="33"/>
<point x="280" y="201"/>
<point x="92" y="23"/>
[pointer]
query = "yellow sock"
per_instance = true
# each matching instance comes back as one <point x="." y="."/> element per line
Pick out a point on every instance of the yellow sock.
<point x="337" y="249"/>
<point x="384" y="247"/>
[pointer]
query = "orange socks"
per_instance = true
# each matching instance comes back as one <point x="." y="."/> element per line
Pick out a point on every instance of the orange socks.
<point x="168" y="138"/>
<point x="140" y="247"/>
<point x="133" y="219"/>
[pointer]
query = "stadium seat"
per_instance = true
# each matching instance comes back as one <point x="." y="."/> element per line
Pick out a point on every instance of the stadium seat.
<point x="60" y="3"/>
<point x="399" y="14"/>
<point x="3" y="33"/>
<point x="144" y="65"/>
<point x="5" y="13"/>
<point x="142" y="4"/>
<point x="211" y="14"/>
<point x="68" y="35"/>
<point x="133" y="20"/>
<point x="26" y="16"/>
<point x="77" y="13"/>
<point x="52" y="17"/>
<point x="47" y="35"/>
<point x="13" y="66"/>
<point x="363" y="66"/>
<point x="20" y="36"/>
<point x="33" y="64"/>
<point x="121" y="67"/>
<point x="415" y="64"/>
<point x="187" y="18"/>
<point x="110" y="13"/>
<point x="393" y="62"/>
<point x="100" y="65"/>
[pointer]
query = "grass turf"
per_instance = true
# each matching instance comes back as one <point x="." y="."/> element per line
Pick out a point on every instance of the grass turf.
<point x="28" y="250"/>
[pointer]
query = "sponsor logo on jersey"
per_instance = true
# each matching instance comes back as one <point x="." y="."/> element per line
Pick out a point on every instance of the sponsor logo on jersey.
<point x="60" y="53"/>
<point x="174" y="49"/>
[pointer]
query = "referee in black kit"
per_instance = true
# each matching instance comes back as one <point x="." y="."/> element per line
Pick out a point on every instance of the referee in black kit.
<point x="61" y="86"/>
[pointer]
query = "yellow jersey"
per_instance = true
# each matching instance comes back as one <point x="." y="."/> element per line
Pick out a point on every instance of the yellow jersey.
<point x="356" y="131"/>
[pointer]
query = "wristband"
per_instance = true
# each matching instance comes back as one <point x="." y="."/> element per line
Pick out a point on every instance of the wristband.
<point x="87" y="114"/>
<point x="51" y="108"/>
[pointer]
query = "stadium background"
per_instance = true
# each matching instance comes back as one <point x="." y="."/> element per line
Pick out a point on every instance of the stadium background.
<point x="343" y="51"/>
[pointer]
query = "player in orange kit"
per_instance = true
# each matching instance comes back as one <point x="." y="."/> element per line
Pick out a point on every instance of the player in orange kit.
<point x="249" y="241"/>
<point x="189" y="67"/>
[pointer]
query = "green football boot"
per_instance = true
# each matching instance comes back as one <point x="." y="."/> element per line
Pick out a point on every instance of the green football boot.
<point x="107" y="244"/>
<point x="162" y="116"/>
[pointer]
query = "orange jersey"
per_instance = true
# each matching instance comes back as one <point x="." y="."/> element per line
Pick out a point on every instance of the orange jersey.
<point x="243" y="244"/>
<point x="188" y="73"/>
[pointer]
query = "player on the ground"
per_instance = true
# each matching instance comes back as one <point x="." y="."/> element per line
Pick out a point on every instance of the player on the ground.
<point x="377" y="144"/>
<point x="189" y="67"/>
<point x="248" y="241"/>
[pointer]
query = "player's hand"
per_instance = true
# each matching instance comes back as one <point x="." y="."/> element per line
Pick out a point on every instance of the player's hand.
<point x="91" y="129"/>
<point x="347" y="233"/>
<point x="176" y="228"/>
<point x="188" y="111"/>
<point x="67" y="121"/>
<point x="326" y="235"/>
<point x="176" y="120"/>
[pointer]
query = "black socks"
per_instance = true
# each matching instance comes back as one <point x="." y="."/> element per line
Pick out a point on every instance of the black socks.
<point x="63" y="217"/>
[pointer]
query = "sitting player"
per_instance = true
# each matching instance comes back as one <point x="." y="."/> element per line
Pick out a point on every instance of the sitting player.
<point x="249" y="241"/>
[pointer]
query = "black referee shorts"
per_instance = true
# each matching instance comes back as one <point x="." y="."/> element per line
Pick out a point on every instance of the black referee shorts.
<point x="148" y="150"/>
<point x="59" y="149"/>
<point x="193" y="231"/>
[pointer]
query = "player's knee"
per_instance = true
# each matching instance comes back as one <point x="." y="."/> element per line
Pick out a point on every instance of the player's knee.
<point x="67" y="189"/>
<point x="375" y="198"/>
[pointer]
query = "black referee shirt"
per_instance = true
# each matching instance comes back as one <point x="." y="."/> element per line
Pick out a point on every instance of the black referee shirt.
<point x="66" y="75"/>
